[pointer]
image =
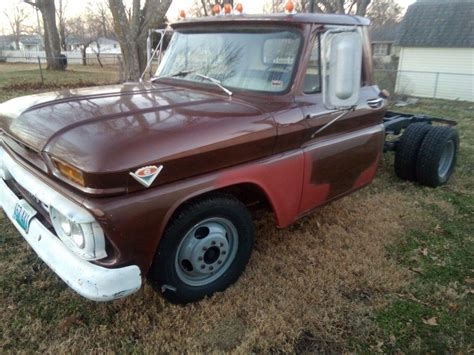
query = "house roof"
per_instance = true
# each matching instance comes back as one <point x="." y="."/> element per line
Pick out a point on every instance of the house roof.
<point x="387" y="33"/>
<point x="30" y="39"/>
<point x="438" y="23"/>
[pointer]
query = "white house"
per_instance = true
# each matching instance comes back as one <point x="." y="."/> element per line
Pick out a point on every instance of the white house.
<point x="436" y="41"/>
<point x="104" y="45"/>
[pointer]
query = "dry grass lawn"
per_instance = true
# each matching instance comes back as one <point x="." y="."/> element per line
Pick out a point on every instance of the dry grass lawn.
<point x="332" y="282"/>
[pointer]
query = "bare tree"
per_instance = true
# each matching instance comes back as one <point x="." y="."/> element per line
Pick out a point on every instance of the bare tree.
<point x="132" y="30"/>
<point x="62" y="29"/>
<point x="81" y="35"/>
<point x="99" y="12"/>
<point x="382" y="12"/>
<point x="16" y="18"/>
<point x="52" y="42"/>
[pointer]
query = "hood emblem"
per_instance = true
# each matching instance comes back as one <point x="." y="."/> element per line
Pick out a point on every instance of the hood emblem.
<point x="147" y="174"/>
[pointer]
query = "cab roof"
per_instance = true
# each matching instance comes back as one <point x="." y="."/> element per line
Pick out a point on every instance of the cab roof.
<point x="324" y="19"/>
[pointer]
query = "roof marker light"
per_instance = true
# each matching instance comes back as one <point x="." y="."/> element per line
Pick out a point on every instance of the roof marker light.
<point x="227" y="8"/>
<point x="182" y="14"/>
<point x="290" y="7"/>
<point x="216" y="9"/>
<point x="239" y="8"/>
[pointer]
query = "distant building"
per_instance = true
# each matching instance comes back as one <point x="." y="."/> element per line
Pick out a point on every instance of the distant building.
<point x="383" y="40"/>
<point x="436" y="41"/>
<point x="27" y="43"/>
<point x="105" y="45"/>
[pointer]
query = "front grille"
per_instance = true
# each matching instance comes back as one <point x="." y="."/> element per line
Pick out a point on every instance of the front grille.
<point x="41" y="208"/>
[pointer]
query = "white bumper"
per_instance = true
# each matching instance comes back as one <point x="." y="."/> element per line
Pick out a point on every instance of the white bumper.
<point x="89" y="280"/>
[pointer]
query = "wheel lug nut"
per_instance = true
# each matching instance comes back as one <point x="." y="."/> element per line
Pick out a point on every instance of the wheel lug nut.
<point x="223" y="252"/>
<point x="200" y="258"/>
<point x="222" y="244"/>
<point x="213" y="243"/>
<point x="219" y="262"/>
<point x="204" y="248"/>
<point x="211" y="268"/>
<point x="203" y="266"/>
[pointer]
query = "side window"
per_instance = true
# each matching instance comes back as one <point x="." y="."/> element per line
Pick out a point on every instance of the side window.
<point x="312" y="79"/>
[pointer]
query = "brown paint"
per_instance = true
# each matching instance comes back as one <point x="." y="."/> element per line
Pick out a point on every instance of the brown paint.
<point x="205" y="140"/>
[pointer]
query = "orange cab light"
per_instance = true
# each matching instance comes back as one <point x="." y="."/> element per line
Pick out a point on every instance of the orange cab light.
<point x="182" y="14"/>
<point x="70" y="172"/>
<point x="216" y="9"/>
<point x="227" y="8"/>
<point x="289" y="6"/>
<point x="239" y="7"/>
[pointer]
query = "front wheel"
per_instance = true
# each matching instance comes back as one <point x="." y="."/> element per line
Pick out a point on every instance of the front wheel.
<point x="204" y="249"/>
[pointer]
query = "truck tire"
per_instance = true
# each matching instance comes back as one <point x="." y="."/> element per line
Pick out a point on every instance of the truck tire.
<point x="406" y="153"/>
<point x="205" y="248"/>
<point x="437" y="156"/>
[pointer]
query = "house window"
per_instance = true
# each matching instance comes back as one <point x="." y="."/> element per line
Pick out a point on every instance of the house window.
<point x="381" y="49"/>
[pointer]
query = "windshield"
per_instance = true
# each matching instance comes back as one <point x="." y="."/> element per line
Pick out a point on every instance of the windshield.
<point x="260" y="60"/>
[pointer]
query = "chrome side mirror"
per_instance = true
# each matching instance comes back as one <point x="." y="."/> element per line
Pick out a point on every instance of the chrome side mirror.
<point x="341" y="67"/>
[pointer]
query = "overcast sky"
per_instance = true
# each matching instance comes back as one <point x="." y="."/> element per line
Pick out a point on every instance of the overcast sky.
<point x="75" y="7"/>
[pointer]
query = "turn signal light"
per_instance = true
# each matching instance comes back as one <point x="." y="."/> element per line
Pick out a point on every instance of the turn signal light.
<point x="239" y="7"/>
<point x="70" y="172"/>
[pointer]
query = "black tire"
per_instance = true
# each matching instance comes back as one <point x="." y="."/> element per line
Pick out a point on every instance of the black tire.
<point x="164" y="275"/>
<point x="407" y="150"/>
<point x="431" y="153"/>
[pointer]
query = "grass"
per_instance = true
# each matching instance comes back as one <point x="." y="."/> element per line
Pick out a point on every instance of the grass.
<point x="386" y="269"/>
<point x="23" y="79"/>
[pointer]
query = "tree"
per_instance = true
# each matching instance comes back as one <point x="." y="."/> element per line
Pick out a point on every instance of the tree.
<point x="52" y="43"/>
<point x="62" y="28"/>
<point x="81" y="34"/>
<point x="131" y="28"/>
<point x="99" y="13"/>
<point x="16" y="18"/>
<point x="383" y="12"/>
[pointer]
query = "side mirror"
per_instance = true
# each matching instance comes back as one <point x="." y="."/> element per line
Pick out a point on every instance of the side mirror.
<point x="341" y="63"/>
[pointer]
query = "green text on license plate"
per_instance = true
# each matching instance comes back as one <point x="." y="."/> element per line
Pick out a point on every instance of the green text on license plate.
<point x="23" y="214"/>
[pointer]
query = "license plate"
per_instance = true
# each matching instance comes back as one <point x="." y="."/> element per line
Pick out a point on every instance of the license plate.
<point x="23" y="214"/>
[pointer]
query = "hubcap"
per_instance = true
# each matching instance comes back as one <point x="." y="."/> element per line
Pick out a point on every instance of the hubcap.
<point x="446" y="160"/>
<point x="206" y="251"/>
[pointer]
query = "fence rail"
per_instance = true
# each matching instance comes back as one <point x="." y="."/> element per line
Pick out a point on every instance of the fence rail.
<point x="436" y="85"/>
<point x="72" y="57"/>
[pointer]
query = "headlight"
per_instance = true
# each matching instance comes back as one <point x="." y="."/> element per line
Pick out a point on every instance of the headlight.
<point x="85" y="239"/>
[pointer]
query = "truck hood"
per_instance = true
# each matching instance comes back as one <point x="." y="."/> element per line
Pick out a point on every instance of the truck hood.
<point x="116" y="129"/>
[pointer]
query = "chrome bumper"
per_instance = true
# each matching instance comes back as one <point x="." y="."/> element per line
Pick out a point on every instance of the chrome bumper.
<point x="89" y="280"/>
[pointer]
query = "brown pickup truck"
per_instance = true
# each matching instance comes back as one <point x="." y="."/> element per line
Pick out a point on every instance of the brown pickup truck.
<point x="111" y="184"/>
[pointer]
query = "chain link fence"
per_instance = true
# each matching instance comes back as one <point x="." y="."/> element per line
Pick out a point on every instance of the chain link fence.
<point x="435" y="85"/>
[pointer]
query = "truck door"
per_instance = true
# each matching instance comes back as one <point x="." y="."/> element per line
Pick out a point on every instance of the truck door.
<point x="342" y="146"/>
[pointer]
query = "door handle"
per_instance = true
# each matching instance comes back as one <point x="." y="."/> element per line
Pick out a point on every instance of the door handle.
<point x="375" y="103"/>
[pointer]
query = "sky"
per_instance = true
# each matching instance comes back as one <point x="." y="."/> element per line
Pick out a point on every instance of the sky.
<point x="75" y="7"/>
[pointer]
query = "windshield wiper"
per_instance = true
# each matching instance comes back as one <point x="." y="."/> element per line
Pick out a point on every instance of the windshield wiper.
<point x="216" y="82"/>
<point x="189" y="71"/>
<point x="179" y="73"/>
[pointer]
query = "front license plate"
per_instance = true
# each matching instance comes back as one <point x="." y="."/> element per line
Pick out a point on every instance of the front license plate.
<point x="23" y="214"/>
